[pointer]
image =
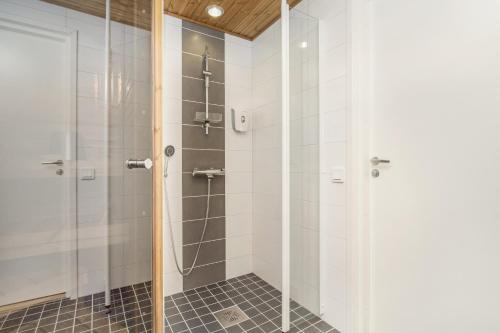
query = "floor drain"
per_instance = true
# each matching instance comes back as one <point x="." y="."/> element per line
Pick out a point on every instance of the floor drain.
<point x="230" y="316"/>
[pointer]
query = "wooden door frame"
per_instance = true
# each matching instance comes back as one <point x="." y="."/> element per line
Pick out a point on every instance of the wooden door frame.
<point x="157" y="75"/>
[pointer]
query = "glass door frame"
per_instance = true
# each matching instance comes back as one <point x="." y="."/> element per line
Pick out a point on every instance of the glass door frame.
<point x="285" y="165"/>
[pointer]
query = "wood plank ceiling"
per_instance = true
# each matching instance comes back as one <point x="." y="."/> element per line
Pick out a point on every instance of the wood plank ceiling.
<point x="131" y="12"/>
<point x="243" y="18"/>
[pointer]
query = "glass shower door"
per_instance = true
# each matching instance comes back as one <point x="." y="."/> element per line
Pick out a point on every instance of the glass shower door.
<point x="76" y="186"/>
<point x="301" y="195"/>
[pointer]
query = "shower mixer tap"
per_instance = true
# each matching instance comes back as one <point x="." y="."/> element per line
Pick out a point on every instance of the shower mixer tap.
<point x="209" y="173"/>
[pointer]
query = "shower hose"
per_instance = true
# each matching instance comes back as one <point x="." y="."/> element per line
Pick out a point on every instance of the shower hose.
<point x="167" y="207"/>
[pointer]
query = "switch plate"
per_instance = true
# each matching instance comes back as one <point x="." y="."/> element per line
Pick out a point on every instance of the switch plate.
<point x="337" y="175"/>
<point x="87" y="174"/>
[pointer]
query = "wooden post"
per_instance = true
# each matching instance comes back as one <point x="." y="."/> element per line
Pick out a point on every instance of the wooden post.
<point x="157" y="55"/>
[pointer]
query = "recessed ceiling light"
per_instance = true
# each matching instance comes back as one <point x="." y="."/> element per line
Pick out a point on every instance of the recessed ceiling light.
<point x="215" y="10"/>
<point x="303" y="45"/>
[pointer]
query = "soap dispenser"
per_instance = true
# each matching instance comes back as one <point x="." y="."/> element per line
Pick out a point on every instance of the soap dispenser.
<point x="241" y="120"/>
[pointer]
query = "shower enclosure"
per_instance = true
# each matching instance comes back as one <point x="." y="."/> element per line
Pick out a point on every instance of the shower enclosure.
<point x="248" y="240"/>
<point x="87" y="241"/>
<point x="76" y="192"/>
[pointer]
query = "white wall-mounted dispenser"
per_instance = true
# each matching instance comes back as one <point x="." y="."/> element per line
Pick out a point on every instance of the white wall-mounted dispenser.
<point x="241" y="120"/>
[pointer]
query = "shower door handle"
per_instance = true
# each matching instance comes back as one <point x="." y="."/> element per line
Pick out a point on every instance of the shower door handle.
<point x="58" y="163"/>
<point x="139" y="164"/>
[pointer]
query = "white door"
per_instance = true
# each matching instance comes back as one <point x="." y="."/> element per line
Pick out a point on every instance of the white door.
<point x="435" y="250"/>
<point x="36" y="111"/>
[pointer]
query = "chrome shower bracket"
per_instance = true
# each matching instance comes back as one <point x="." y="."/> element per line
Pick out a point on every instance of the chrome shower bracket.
<point x="207" y="74"/>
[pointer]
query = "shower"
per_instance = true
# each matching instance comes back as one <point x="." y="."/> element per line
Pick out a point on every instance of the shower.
<point x="210" y="174"/>
<point x="207" y="118"/>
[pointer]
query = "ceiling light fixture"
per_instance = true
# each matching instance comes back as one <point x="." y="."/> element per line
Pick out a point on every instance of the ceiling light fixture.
<point x="215" y="10"/>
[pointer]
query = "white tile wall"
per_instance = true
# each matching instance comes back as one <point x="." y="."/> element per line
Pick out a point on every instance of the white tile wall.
<point x="238" y="84"/>
<point x="304" y="144"/>
<point x="333" y="110"/>
<point x="172" y="122"/>
<point x="130" y="248"/>
<point x="266" y="150"/>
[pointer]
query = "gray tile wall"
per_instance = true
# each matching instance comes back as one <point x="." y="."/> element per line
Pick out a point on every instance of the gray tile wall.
<point x="202" y="151"/>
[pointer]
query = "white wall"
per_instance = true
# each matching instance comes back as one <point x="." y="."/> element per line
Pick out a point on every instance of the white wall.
<point x="266" y="131"/>
<point x="239" y="169"/>
<point x="130" y="204"/>
<point x="172" y="126"/>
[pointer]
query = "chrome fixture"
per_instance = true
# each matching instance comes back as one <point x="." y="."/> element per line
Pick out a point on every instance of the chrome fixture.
<point x="209" y="173"/>
<point x="58" y="162"/>
<point x="207" y="75"/>
<point x="375" y="173"/>
<point x="139" y="164"/>
<point x="376" y="161"/>
<point x="213" y="117"/>
<point x="169" y="150"/>
<point x="215" y="10"/>
<point x="207" y="118"/>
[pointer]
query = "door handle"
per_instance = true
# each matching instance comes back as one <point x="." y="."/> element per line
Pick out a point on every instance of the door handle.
<point x="139" y="164"/>
<point x="376" y="161"/>
<point x="58" y="163"/>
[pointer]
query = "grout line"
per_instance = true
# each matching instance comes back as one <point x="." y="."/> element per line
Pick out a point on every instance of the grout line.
<point x="91" y="312"/>
<point x="123" y="309"/>
<point x="210" y="218"/>
<point x="74" y="315"/>
<point x="39" y="319"/>
<point x="208" y="241"/>
<point x="190" y="101"/>
<point x="199" y="55"/>
<point x="206" y="149"/>
<point x="203" y="33"/>
<point x="7" y="313"/>
<point x="22" y="320"/>
<point x="203" y="196"/>
<point x="205" y="265"/>
<point x="201" y="126"/>
<point x="180" y="313"/>
<point x="197" y="78"/>
<point x="139" y="306"/>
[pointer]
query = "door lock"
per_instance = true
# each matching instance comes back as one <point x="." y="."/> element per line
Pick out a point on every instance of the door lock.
<point x="59" y="172"/>
<point x="375" y="173"/>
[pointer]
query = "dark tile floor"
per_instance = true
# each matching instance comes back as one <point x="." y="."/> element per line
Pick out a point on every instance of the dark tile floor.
<point x="189" y="312"/>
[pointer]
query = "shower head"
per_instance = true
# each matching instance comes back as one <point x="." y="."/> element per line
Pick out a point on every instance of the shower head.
<point x="169" y="150"/>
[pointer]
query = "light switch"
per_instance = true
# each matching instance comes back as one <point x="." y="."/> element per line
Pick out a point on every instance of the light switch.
<point x="338" y="175"/>
<point x="87" y="174"/>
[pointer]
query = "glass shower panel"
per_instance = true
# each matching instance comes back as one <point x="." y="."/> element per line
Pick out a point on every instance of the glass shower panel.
<point x="75" y="220"/>
<point x="304" y="165"/>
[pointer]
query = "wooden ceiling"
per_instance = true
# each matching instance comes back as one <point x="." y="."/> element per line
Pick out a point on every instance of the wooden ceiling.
<point x="243" y="18"/>
<point x="131" y="12"/>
